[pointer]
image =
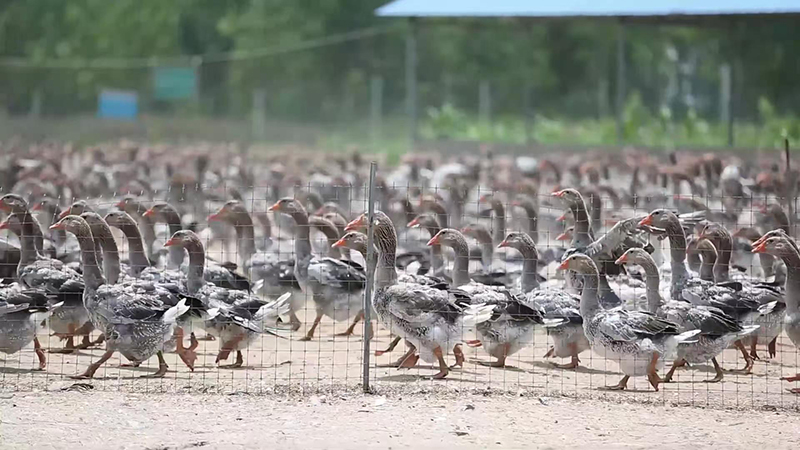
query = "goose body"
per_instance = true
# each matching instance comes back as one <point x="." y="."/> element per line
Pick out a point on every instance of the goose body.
<point x="432" y="318"/>
<point x="638" y="341"/>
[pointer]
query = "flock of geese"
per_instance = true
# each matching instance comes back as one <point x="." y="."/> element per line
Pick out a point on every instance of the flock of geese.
<point x="696" y="255"/>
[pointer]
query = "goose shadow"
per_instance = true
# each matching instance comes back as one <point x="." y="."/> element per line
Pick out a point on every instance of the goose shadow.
<point x="405" y="378"/>
<point x="19" y="370"/>
<point x="580" y="369"/>
<point x="628" y="391"/>
<point x="508" y="367"/>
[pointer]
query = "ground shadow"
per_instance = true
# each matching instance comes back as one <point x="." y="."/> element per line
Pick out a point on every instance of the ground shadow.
<point x="580" y="369"/>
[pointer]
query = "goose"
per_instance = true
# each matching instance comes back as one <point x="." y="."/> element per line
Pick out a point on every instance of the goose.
<point x="780" y="245"/>
<point x="224" y="276"/>
<point x="357" y="241"/>
<point x="583" y="236"/>
<point x="240" y="317"/>
<point x="22" y="312"/>
<point x="770" y="298"/>
<point x="569" y="340"/>
<point x="717" y="330"/>
<point x="512" y="324"/>
<point x="34" y="271"/>
<point x="271" y="269"/>
<point x="342" y="306"/>
<point x="431" y="318"/>
<point x="639" y="341"/>
<point x="743" y="307"/>
<point x="135" y="321"/>
<point x="335" y="285"/>
<point x="136" y="208"/>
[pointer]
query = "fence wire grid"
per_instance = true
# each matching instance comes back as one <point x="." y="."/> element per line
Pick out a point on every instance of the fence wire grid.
<point x="315" y="340"/>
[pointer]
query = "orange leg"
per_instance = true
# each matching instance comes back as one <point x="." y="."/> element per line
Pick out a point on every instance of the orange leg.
<point x="501" y="358"/>
<point x="389" y="349"/>
<point x="409" y="359"/>
<point x="575" y="361"/>
<point x="459" y="354"/>
<point x="37" y="348"/>
<point x="349" y="330"/>
<point x="443" y="368"/>
<point x="311" y="330"/>
<point x="89" y="373"/>
<point x="187" y="355"/>
<point x="753" y="352"/>
<point x="227" y="348"/>
<point x="675" y="365"/>
<point x="621" y="386"/>
<point x="720" y="373"/>
<point x="162" y="368"/>
<point x="69" y="347"/>
<point x="772" y="347"/>
<point x="652" y="376"/>
<point x="295" y="321"/>
<point x="748" y="366"/>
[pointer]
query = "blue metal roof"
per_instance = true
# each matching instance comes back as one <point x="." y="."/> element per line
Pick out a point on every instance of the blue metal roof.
<point x="584" y="8"/>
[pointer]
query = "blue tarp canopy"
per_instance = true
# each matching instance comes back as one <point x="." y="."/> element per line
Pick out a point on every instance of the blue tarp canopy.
<point x="585" y="8"/>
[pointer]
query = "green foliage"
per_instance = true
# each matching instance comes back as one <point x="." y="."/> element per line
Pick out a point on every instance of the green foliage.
<point x="639" y="128"/>
<point x="560" y="72"/>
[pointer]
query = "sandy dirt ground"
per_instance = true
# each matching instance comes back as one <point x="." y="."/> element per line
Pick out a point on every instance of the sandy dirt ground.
<point x="274" y="364"/>
<point x="348" y="420"/>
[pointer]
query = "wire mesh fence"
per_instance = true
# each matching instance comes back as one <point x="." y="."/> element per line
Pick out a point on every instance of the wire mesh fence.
<point x="478" y="290"/>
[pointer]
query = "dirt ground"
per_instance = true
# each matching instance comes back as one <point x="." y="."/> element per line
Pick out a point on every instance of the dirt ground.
<point x="308" y="395"/>
<point x="274" y="364"/>
<point x="347" y="420"/>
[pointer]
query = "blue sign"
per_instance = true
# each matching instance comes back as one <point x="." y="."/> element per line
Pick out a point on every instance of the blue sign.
<point x="113" y="104"/>
<point x="174" y="83"/>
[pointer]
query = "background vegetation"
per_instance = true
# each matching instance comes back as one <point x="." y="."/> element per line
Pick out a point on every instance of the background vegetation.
<point x="550" y="82"/>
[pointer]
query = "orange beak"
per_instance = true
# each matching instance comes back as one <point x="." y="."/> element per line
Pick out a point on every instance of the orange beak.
<point x="149" y="213"/>
<point x="275" y="207"/>
<point x="55" y="226"/>
<point x="170" y="242"/>
<point x="120" y="204"/>
<point x="562" y="237"/>
<point x="355" y="224"/>
<point x="339" y="243"/>
<point x="37" y="207"/>
<point x="558" y="194"/>
<point x="64" y="213"/>
<point x="503" y="244"/>
<point x="216" y="216"/>
<point x="647" y="220"/>
<point x="434" y="241"/>
<point x="563" y="266"/>
<point x="759" y="247"/>
<point x="4" y="225"/>
<point x="414" y="223"/>
<point x="562" y="218"/>
<point x="621" y="260"/>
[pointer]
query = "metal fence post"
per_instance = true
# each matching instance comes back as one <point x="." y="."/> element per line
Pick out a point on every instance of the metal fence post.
<point x="376" y="108"/>
<point x="370" y="275"/>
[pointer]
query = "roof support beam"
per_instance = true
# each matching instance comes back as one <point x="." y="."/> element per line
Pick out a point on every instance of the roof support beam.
<point x="411" y="78"/>
<point x="621" y="82"/>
